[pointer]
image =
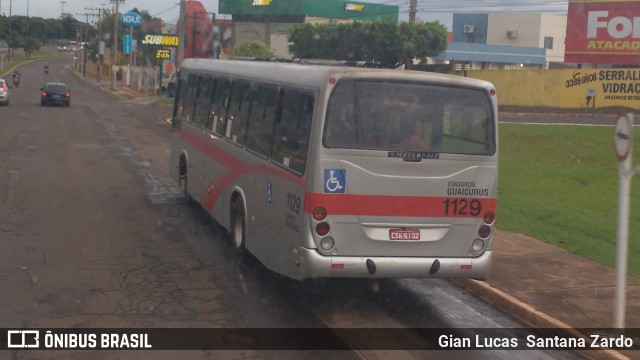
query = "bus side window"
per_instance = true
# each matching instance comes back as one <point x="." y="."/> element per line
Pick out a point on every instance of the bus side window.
<point x="340" y="121"/>
<point x="201" y="115"/>
<point x="218" y="109"/>
<point x="191" y="97"/>
<point x="238" y="111"/>
<point x="178" y="104"/>
<point x="291" y="139"/>
<point x="263" y="115"/>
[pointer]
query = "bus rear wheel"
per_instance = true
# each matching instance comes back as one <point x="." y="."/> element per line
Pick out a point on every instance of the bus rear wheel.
<point x="238" y="226"/>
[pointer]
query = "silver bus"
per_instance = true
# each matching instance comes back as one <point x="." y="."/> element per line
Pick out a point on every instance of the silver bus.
<point x="337" y="171"/>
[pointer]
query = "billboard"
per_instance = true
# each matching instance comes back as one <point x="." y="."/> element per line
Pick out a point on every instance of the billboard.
<point x="603" y="32"/>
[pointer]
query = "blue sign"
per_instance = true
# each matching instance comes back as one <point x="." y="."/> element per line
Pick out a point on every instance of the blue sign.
<point x="335" y="181"/>
<point x="126" y="44"/>
<point x="131" y="19"/>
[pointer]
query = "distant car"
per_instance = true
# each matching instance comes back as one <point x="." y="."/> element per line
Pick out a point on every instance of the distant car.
<point x="4" y="93"/>
<point x="55" y="93"/>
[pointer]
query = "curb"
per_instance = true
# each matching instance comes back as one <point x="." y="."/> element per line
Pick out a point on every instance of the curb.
<point x="530" y="316"/>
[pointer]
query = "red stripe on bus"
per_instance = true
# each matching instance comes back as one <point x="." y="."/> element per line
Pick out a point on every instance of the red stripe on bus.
<point x="236" y="168"/>
<point x="387" y="205"/>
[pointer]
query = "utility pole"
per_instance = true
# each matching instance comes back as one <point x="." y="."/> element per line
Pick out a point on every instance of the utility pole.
<point x="98" y="40"/>
<point x="114" y="66"/>
<point x="83" y="40"/>
<point x="181" y="34"/>
<point x="10" y="2"/>
<point x="98" y="60"/>
<point x="413" y="10"/>
<point x="62" y="11"/>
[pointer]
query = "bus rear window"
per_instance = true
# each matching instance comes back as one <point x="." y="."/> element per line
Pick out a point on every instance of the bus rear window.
<point x="409" y="116"/>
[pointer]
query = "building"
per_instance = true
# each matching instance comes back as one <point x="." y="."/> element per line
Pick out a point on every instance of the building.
<point x="506" y="40"/>
<point x="269" y="20"/>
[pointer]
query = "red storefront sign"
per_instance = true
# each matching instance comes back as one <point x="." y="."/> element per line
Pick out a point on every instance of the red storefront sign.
<point x="603" y="32"/>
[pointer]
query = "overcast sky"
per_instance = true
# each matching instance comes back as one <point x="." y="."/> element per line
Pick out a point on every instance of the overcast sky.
<point x="428" y="10"/>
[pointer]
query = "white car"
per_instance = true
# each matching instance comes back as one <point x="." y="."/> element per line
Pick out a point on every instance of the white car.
<point x="4" y="93"/>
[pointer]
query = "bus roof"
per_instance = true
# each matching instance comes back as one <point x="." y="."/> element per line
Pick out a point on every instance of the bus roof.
<point x="315" y="76"/>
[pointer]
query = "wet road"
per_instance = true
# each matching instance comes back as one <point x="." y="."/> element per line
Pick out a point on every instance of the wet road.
<point x="94" y="234"/>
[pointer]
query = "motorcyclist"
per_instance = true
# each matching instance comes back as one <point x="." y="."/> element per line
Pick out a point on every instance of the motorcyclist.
<point x="16" y="77"/>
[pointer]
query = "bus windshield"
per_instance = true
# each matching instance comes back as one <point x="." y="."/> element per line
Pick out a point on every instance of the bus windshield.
<point x="409" y="116"/>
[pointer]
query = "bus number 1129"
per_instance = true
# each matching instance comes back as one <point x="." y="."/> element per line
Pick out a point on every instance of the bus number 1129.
<point x="462" y="207"/>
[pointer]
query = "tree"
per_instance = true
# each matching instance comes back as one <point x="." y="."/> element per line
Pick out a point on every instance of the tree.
<point x="252" y="48"/>
<point x="380" y="41"/>
<point x="14" y="41"/>
<point x="29" y="45"/>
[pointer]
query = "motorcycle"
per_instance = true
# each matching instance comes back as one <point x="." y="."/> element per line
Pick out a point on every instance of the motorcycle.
<point x="16" y="80"/>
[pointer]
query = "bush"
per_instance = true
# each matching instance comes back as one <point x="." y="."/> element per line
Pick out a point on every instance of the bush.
<point x="252" y="48"/>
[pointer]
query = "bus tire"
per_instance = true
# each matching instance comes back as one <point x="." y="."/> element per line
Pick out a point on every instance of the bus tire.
<point x="238" y="228"/>
<point x="183" y="179"/>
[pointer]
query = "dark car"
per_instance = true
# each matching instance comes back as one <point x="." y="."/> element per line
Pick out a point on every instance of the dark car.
<point x="55" y="93"/>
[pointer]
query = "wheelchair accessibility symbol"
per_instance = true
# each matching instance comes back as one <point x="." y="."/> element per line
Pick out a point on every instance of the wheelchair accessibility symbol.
<point x="335" y="181"/>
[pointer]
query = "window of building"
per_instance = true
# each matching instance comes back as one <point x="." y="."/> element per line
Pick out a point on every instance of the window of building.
<point x="548" y="42"/>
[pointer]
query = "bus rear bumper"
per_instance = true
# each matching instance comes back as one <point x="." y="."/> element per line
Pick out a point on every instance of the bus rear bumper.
<point x="315" y="265"/>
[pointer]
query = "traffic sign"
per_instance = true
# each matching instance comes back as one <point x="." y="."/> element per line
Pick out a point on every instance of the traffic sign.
<point x="126" y="44"/>
<point x="622" y="136"/>
<point x="131" y="19"/>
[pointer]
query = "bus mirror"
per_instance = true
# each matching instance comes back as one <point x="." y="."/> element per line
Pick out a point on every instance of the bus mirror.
<point x="176" y="122"/>
<point x="171" y="89"/>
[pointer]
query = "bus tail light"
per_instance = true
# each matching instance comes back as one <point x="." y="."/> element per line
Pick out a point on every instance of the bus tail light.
<point x="492" y="92"/>
<point x="477" y="245"/>
<point x="484" y="231"/>
<point x="327" y="243"/>
<point x="489" y="217"/>
<point x="322" y="229"/>
<point x="319" y="213"/>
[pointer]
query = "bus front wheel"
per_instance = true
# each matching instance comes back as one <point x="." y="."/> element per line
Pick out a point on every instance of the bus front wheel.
<point x="238" y="225"/>
<point x="183" y="180"/>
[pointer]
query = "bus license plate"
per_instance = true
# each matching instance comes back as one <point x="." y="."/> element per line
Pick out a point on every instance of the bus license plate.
<point x="404" y="234"/>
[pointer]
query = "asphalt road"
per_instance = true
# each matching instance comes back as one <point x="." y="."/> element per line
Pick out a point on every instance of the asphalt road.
<point x="93" y="234"/>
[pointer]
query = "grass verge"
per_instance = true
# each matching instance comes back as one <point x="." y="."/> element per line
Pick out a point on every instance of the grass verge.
<point x="20" y="58"/>
<point x="559" y="184"/>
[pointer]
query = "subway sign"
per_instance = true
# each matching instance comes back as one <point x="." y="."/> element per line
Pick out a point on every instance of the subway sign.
<point x="160" y="40"/>
<point x="353" y="7"/>
<point x="163" y="54"/>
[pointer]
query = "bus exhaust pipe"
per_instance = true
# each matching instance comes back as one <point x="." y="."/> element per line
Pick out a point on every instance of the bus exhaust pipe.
<point x="434" y="267"/>
<point x="371" y="266"/>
